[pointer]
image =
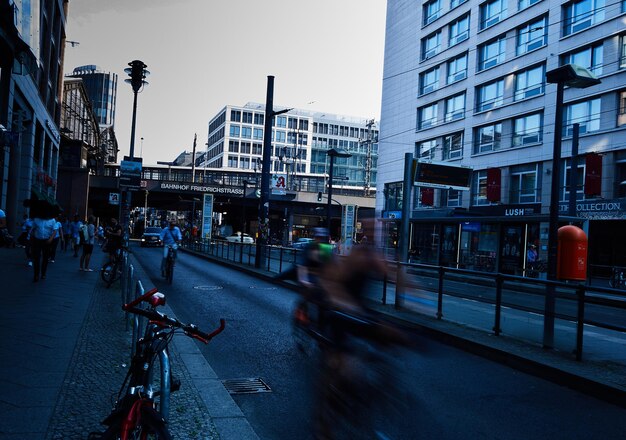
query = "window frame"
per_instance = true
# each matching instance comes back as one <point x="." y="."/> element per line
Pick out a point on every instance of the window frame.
<point x="431" y="86"/>
<point x="589" y="117"/>
<point x="487" y="147"/>
<point x="582" y="20"/>
<point x="523" y="194"/>
<point x="489" y="104"/>
<point x="459" y="75"/>
<point x="483" y="51"/>
<point x="525" y="136"/>
<point x="455" y="114"/>
<point x="533" y="90"/>
<point x="525" y="32"/>
<point x="448" y="152"/>
<point x="458" y="30"/>
<point x="433" y="51"/>
<point x="432" y="121"/>
<point x="495" y="17"/>
<point x="429" y="18"/>
<point x="595" y="50"/>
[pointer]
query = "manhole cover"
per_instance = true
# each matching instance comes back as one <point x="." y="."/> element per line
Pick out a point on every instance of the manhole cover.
<point x="246" y="386"/>
<point x="262" y="288"/>
<point x="207" y="287"/>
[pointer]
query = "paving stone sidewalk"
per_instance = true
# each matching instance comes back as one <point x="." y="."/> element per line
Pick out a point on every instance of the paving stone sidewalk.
<point x="98" y="368"/>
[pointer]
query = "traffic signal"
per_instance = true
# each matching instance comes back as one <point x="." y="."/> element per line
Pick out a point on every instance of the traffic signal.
<point x="319" y="196"/>
<point x="137" y="72"/>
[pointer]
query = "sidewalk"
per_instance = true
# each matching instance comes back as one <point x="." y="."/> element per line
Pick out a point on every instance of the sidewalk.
<point x="65" y="353"/>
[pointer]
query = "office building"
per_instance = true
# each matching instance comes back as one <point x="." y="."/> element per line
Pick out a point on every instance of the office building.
<point x="32" y="44"/>
<point x="300" y="140"/>
<point x="465" y="84"/>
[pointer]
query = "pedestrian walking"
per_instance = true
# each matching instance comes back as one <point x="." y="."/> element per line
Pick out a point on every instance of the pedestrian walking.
<point x="58" y="238"/>
<point x="42" y="234"/>
<point x="67" y="233"/>
<point x="76" y="224"/>
<point x="88" y="243"/>
<point x="24" y="238"/>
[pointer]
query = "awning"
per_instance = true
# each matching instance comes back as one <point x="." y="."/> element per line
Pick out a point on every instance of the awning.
<point x="40" y="195"/>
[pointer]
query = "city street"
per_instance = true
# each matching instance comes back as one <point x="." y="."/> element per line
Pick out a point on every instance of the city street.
<point x="451" y="394"/>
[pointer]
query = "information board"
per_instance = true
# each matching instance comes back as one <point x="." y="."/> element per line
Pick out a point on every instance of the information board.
<point x="207" y="216"/>
<point x="347" y="228"/>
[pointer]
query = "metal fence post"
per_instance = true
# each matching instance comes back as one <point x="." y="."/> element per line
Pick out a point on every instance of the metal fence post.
<point x="442" y="273"/>
<point x="496" y="326"/>
<point x="580" y="324"/>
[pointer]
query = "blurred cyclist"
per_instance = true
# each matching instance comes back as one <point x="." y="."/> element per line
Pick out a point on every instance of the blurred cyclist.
<point x="170" y="236"/>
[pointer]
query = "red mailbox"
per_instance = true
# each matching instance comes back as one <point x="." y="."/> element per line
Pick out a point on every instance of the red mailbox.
<point x="572" y="254"/>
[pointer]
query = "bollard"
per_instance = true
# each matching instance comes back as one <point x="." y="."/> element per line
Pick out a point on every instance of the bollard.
<point x="496" y="326"/>
<point x="580" y="322"/>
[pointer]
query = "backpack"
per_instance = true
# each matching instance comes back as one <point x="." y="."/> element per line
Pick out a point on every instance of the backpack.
<point x="83" y="233"/>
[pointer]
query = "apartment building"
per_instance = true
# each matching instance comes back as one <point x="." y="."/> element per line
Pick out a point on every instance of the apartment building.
<point x="464" y="83"/>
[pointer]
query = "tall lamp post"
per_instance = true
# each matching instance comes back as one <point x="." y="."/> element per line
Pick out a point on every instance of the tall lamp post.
<point x="137" y="73"/>
<point x="332" y="153"/>
<point x="578" y="77"/>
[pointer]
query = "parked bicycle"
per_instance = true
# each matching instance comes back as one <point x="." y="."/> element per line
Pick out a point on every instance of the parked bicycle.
<point x="170" y="261"/>
<point x="618" y="278"/>
<point x="112" y="271"/>
<point x="142" y="405"/>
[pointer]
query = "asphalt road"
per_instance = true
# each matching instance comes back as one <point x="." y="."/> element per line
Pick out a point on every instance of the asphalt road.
<point x="449" y="394"/>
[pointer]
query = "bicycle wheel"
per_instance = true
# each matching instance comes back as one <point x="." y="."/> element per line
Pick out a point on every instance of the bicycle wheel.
<point x="169" y="271"/>
<point x="152" y="426"/>
<point x="108" y="273"/>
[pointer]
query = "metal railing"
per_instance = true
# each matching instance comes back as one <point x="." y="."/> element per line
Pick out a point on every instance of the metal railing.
<point x="493" y="302"/>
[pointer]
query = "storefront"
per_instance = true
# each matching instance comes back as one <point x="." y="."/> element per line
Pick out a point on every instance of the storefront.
<point x="510" y="239"/>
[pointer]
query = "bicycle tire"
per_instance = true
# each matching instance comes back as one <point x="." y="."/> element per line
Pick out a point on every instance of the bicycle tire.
<point x="169" y="272"/>
<point x="108" y="273"/>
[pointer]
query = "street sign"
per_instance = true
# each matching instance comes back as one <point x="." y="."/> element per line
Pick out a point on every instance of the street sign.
<point x="442" y="175"/>
<point x="114" y="198"/>
<point x="279" y="183"/>
<point x="130" y="173"/>
<point x="347" y="228"/>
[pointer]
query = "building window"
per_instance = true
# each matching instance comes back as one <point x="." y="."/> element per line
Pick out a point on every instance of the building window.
<point x="479" y="188"/>
<point x="580" y="181"/>
<point x="233" y="146"/>
<point x="527" y="130"/>
<point x="431" y="11"/>
<point x="244" y="163"/>
<point x="234" y="130"/>
<point x="247" y="117"/>
<point x="258" y="133"/>
<point x="459" y="30"/>
<point x="246" y="132"/>
<point x="621" y="116"/>
<point x="426" y="149"/>
<point x="431" y="45"/>
<point x="393" y="196"/>
<point x="457" y="68"/>
<point x="453" y="146"/>
<point x="235" y="115"/>
<point x="491" y="53"/>
<point x="427" y="116"/>
<point x="429" y="80"/>
<point x="259" y="119"/>
<point x="585" y="113"/>
<point x="523" y="4"/>
<point x="245" y="147"/>
<point x="455" y="107"/>
<point x="590" y="57"/>
<point x="257" y="149"/>
<point x="529" y="83"/>
<point x="455" y="3"/>
<point x="581" y="14"/>
<point x="232" y="161"/>
<point x="492" y="12"/>
<point x="488" y="138"/>
<point x="532" y="36"/>
<point x="454" y="198"/>
<point x="622" y="58"/>
<point x="524" y="184"/>
<point x="490" y="95"/>
<point x="281" y="121"/>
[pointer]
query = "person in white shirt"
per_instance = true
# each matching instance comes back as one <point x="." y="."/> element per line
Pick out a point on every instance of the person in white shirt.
<point x="42" y="234"/>
<point x="170" y="236"/>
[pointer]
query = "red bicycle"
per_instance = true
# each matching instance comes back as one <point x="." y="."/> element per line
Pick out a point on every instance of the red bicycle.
<point x="142" y="406"/>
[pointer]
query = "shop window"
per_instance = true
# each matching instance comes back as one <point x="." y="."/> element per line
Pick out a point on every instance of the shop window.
<point x="393" y="196"/>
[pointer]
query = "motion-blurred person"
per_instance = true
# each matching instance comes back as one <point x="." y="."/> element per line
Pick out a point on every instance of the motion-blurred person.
<point x="24" y="238"/>
<point x="67" y="234"/>
<point x="355" y="363"/>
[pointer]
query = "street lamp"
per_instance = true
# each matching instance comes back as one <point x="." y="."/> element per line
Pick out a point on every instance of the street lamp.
<point x="138" y="73"/>
<point x="578" y="77"/>
<point x="332" y="153"/>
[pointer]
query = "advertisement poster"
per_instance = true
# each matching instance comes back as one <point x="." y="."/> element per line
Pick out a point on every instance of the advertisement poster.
<point x="207" y="216"/>
<point x="347" y="228"/>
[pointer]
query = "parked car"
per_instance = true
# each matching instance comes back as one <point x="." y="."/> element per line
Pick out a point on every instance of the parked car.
<point x="151" y="237"/>
<point x="236" y="238"/>
<point x="301" y="243"/>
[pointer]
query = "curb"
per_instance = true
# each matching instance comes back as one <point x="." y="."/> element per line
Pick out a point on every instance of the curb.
<point x="229" y="420"/>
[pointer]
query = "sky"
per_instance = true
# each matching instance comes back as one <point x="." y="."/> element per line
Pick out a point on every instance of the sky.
<point x="325" y="55"/>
